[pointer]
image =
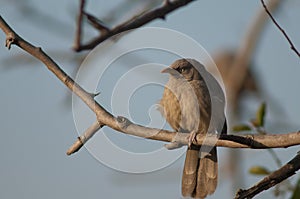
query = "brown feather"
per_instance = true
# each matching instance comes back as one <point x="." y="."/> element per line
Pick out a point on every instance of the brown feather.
<point x="186" y="105"/>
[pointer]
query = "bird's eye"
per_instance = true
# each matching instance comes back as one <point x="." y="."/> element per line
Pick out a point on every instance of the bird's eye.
<point x="181" y="70"/>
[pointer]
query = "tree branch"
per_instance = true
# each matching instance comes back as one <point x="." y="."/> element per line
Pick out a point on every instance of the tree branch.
<point x="78" y="34"/>
<point x="122" y="124"/>
<point x="135" y="22"/>
<point x="81" y="140"/>
<point x="271" y="180"/>
<point x="281" y="29"/>
<point x="96" y="23"/>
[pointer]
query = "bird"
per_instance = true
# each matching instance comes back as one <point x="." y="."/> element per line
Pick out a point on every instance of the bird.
<point x="193" y="102"/>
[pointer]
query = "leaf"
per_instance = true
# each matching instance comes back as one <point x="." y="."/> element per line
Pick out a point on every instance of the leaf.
<point x="259" y="170"/>
<point x="254" y="122"/>
<point x="241" y="127"/>
<point x="296" y="193"/>
<point x="260" y="115"/>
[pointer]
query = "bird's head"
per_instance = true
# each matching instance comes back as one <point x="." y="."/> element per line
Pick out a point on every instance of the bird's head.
<point x="185" y="68"/>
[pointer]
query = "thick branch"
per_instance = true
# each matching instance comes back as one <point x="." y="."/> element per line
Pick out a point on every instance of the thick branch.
<point x="135" y="22"/>
<point x="271" y="180"/>
<point x="124" y="125"/>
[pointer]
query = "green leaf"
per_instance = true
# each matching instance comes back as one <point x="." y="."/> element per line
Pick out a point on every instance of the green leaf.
<point x="259" y="170"/>
<point x="254" y="122"/>
<point x="241" y="127"/>
<point x="296" y="193"/>
<point x="260" y="115"/>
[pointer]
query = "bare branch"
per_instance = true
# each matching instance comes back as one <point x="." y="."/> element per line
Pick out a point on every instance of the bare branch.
<point x="77" y="41"/>
<point x="281" y="29"/>
<point x="124" y="125"/>
<point x="271" y="180"/>
<point x="135" y="22"/>
<point x="84" y="138"/>
<point x="96" y="23"/>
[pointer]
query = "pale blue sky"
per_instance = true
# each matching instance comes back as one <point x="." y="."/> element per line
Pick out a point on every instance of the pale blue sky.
<point x="37" y="124"/>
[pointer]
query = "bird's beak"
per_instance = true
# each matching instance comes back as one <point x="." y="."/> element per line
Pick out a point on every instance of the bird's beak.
<point x="169" y="70"/>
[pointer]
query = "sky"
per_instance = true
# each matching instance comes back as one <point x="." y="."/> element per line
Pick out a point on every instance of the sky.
<point x="39" y="119"/>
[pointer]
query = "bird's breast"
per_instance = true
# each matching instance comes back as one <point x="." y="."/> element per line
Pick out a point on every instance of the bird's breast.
<point x="182" y="106"/>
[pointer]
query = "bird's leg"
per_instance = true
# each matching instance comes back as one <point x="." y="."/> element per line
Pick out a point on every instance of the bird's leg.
<point x="191" y="138"/>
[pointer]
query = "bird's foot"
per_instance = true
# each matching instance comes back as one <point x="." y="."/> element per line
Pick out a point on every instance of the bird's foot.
<point x="192" y="138"/>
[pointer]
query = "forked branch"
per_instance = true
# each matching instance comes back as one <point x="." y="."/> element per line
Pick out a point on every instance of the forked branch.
<point x="135" y="22"/>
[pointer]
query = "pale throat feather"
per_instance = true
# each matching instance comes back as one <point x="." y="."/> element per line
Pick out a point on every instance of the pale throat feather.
<point x="181" y="106"/>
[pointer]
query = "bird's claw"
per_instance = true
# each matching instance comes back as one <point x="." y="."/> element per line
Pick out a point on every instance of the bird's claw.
<point x="192" y="138"/>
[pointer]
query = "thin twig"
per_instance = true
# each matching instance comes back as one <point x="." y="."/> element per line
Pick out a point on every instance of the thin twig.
<point x="89" y="133"/>
<point x="271" y="180"/>
<point x="96" y="23"/>
<point x="281" y="29"/>
<point x="262" y="131"/>
<point x="135" y="22"/>
<point x="275" y="157"/>
<point x="78" y="34"/>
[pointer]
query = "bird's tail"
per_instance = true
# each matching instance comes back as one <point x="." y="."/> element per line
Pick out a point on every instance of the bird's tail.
<point x="200" y="175"/>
